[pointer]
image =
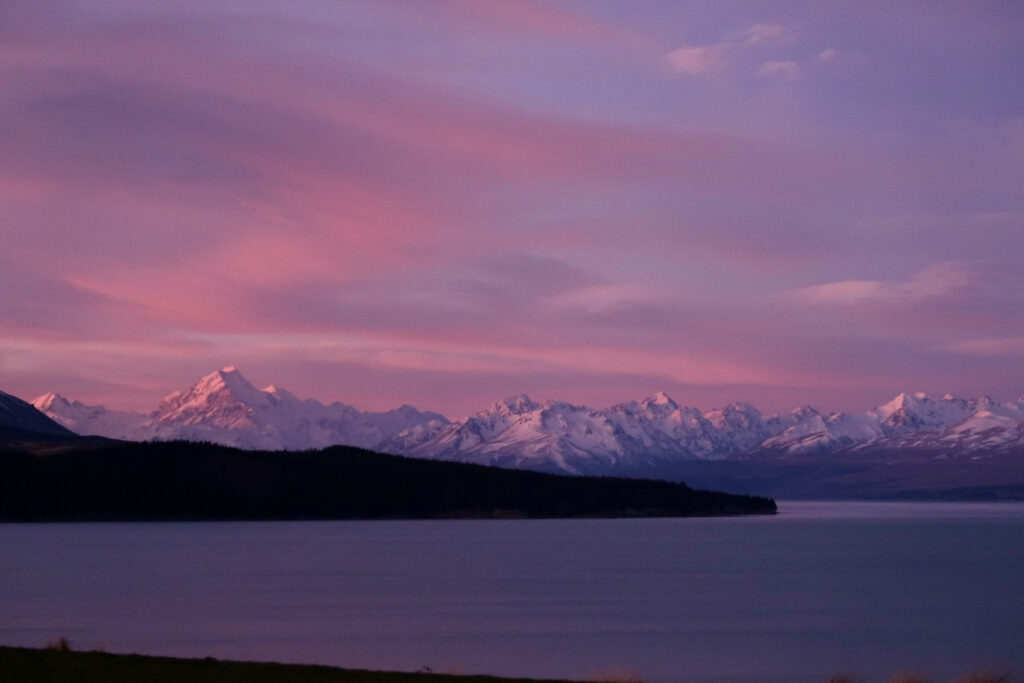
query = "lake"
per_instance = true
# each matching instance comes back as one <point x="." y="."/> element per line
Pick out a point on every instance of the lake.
<point x="867" y="589"/>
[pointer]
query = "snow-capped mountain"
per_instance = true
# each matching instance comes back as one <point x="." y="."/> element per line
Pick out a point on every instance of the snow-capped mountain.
<point x="18" y="419"/>
<point x="642" y="436"/>
<point x="518" y="432"/>
<point x="88" y="420"/>
<point x="557" y="436"/>
<point x="629" y="438"/>
<point x="806" y="430"/>
<point x="951" y="426"/>
<point x="223" y="407"/>
<point x="908" y="413"/>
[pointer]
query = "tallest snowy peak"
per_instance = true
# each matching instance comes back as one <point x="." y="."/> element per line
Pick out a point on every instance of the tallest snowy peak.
<point x="228" y="377"/>
<point x="226" y="384"/>
<point x="515" y="405"/>
<point x="660" y="399"/>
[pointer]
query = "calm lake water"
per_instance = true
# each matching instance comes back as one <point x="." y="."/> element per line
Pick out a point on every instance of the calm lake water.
<point x="861" y="588"/>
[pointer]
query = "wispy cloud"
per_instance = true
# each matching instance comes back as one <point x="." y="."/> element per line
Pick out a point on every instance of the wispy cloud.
<point x="934" y="281"/>
<point x="695" y="60"/>
<point x="605" y="298"/>
<point x="998" y="346"/>
<point x="779" y="69"/>
<point x="766" y="35"/>
<point x="698" y="60"/>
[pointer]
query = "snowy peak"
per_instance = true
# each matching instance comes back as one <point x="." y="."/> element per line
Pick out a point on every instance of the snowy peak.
<point x="806" y="431"/>
<point x="48" y="401"/>
<point x="741" y="424"/>
<point x="227" y="380"/>
<point x="88" y="420"/>
<point x="224" y="407"/>
<point x="902" y="402"/>
<point x="915" y="412"/>
<point x="18" y="418"/>
<point x="223" y="398"/>
<point x="517" y="404"/>
<point x="632" y="436"/>
<point x="661" y="401"/>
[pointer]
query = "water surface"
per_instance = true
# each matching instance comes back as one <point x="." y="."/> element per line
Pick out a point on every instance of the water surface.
<point x="863" y="588"/>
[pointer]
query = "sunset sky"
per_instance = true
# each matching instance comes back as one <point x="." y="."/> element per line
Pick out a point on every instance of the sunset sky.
<point x="445" y="202"/>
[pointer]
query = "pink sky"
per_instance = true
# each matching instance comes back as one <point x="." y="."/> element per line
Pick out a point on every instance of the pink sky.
<point x="444" y="203"/>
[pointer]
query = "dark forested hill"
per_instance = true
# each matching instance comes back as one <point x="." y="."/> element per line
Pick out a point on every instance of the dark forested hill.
<point x="182" y="480"/>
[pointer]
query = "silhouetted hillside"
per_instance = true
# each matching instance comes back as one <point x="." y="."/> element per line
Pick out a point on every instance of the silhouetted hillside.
<point x="19" y="419"/>
<point x="183" y="480"/>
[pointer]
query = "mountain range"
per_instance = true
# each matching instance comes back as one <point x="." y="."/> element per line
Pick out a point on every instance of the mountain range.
<point x="224" y="408"/>
<point x="633" y="438"/>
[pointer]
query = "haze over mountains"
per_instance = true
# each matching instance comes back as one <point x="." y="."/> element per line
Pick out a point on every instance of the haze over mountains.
<point x="629" y="438"/>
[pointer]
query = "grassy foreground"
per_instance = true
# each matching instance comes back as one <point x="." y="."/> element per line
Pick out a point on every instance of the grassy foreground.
<point x="24" y="665"/>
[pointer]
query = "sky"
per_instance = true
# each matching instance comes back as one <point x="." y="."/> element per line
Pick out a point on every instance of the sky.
<point x="445" y="202"/>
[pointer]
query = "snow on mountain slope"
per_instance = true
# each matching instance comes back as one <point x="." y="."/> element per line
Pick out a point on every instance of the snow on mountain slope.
<point x="740" y="424"/>
<point x="634" y="436"/>
<point x="88" y="420"/>
<point x="627" y="438"/>
<point x="809" y="431"/>
<point x="561" y="437"/>
<point x="909" y="413"/>
<point x="223" y="407"/>
<point x="658" y="428"/>
<point x="908" y="423"/>
<point x="518" y="432"/>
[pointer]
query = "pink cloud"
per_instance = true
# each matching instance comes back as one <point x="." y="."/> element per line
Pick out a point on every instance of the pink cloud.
<point x="999" y="346"/>
<point x="787" y="70"/>
<point x="697" y="60"/>
<point x="935" y="281"/>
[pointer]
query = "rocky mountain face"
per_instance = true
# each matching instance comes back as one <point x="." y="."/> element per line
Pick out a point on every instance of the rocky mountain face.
<point x="630" y="438"/>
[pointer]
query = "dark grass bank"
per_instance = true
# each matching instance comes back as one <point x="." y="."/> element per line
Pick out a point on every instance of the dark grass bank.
<point x="22" y="665"/>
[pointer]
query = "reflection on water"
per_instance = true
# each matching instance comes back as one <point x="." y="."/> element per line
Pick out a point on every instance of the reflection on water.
<point x="864" y="588"/>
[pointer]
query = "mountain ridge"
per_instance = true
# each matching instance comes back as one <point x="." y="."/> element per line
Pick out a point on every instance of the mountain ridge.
<point x="19" y="418"/>
<point x="225" y="408"/>
<point x="556" y="436"/>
